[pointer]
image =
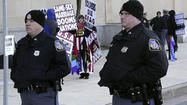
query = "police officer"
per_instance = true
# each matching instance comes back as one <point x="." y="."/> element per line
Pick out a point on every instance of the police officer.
<point x="135" y="62"/>
<point x="39" y="64"/>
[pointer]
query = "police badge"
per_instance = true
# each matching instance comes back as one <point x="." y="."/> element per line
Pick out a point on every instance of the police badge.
<point x="59" y="46"/>
<point x="154" y="45"/>
<point x="36" y="53"/>
<point x="29" y="16"/>
<point x="124" y="49"/>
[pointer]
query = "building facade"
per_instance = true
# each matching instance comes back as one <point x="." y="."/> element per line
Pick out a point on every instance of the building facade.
<point x="107" y="14"/>
<point x="107" y="10"/>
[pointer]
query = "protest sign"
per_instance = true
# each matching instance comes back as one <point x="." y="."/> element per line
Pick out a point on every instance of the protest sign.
<point x="66" y="21"/>
<point x="65" y="17"/>
<point x="179" y="19"/>
<point x="90" y="13"/>
<point x="67" y="39"/>
<point x="9" y="45"/>
<point x="94" y="47"/>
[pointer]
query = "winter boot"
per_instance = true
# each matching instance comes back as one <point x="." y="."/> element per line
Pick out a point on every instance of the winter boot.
<point x="82" y="75"/>
<point x="86" y="76"/>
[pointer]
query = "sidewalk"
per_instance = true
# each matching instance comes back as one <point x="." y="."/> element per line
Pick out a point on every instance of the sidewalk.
<point x="86" y="92"/>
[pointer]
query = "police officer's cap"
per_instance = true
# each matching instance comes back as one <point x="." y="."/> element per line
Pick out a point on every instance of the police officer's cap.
<point x="37" y="16"/>
<point x="134" y="7"/>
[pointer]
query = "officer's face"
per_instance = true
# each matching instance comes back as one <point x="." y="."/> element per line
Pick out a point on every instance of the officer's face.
<point x="125" y="18"/>
<point x="128" y="21"/>
<point x="32" y="27"/>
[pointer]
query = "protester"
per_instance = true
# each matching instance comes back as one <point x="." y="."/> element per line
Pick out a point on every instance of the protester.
<point x="135" y="62"/>
<point x="164" y="33"/>
<point x="39" y="64"/>
<point x="172" y="26"/>
<point x="51" y="26"/>
<point x="156" y="24"/>
<point x="83" y="51"/>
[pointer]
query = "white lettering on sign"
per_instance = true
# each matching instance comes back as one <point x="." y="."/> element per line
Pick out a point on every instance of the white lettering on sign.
<point x="91" y="38"/>
<point x="64" y="14"/>
<point x="69" y="7"/>
<point x="66" y="35"/>
<point x="68" y="27"/>
<point x="65" y="17"/>
<point x="64" y="7"/>
<point x="67" y="20"/>
<point x="59" y="8"/>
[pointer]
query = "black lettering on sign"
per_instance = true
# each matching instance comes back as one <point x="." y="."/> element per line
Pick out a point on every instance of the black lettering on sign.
<point x="90" y="12"/>
<point x="91" y="20"/>
<point x="90" y="5"/>
<point x="86" y="17"/>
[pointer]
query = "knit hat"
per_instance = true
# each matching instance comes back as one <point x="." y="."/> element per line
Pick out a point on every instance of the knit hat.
<point x="165" y="11"/>
<point x="134" y="7"/>
<point x="172" y="13"/>
<point x="37" y="16"/>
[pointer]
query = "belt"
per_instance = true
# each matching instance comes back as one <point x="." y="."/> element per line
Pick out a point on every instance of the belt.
<point x="38" y="88"/>
<point x="28" y="88"/>
<point x="122" y="93"/>
<point x="131" y="93"/>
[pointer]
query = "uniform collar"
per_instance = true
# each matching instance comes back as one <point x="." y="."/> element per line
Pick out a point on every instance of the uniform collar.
<point x="134" y="32"/>
<point x="39" y="37"/>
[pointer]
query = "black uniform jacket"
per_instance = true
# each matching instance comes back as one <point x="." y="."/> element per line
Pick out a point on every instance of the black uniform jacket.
<point x="135" y="57"/>
<point x="40" y="58"/>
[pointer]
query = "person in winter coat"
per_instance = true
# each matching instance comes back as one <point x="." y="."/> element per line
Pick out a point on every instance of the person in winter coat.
<point x="40" y="63"/>
<point x="172" y="27"/>
<point x="135" y="62"/>
<point x="51" y="26"/>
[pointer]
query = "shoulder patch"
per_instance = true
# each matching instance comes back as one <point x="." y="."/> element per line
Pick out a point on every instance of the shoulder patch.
<point x="59" y="46"/>
<point x="154" y="45"/>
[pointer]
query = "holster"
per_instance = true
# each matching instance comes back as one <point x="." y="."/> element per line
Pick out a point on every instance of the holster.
<point x="57" y="85"/>
<point x="141" y="93"/>
<point x="135" y="94"/>
<point x="157" y="91"/>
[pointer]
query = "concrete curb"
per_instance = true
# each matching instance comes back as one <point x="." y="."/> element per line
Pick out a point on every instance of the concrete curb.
<point x="174" y="91"/>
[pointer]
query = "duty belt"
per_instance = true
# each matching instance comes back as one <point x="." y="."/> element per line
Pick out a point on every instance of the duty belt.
<point x="135" y="94"/>
<point x="34" y="87"/>
<point x="28" y="88"/>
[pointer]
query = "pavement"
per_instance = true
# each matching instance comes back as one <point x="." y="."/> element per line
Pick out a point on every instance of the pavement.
<point x="86" y="92"/>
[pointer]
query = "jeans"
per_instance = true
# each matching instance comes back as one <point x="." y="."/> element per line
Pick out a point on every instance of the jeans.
<point x="164" y="35"/>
